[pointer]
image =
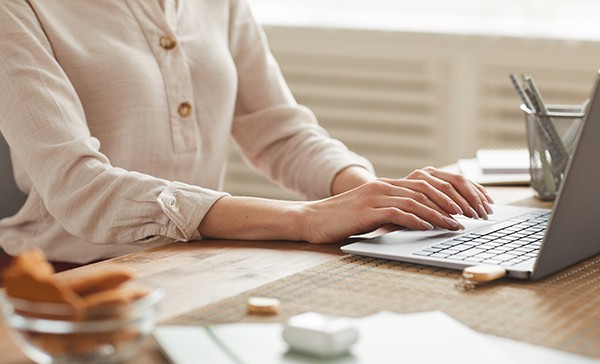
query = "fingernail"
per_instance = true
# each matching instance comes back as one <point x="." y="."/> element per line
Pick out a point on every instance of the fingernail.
<point x="472" y="212"/>
<point x="426" y="225"/>
<point x="488" y="208"/>
<point x="450" y="221"/>
<point x="456" y="208"/>
<point x="489" y="198"/>
<point x="482" y="212"/>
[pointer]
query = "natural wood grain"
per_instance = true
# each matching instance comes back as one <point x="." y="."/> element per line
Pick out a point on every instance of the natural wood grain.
<point x="197" y="274"/>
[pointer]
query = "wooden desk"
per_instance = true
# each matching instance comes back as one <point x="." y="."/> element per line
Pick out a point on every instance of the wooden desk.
<point x="210" y="271"/>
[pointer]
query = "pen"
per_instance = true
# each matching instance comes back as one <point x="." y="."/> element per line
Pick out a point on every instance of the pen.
<point x="535" y="106"/>
<point x="535" y="95"/>
<point x="552" y="141"/>
<point x="521" y="92"/>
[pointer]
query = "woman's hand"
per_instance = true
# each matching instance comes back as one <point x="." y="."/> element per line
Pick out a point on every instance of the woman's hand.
<point x="425" y="198"/>
<point x="470" y="196"/>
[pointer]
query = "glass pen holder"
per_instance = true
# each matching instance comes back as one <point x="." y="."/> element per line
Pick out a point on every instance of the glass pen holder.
<point x="551" y="139"/>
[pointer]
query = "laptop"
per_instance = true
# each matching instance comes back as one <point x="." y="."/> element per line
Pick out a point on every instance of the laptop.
<point x="529" y="243"/>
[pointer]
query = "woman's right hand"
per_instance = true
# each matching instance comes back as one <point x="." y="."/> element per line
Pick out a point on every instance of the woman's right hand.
<point x="416" y="202"/>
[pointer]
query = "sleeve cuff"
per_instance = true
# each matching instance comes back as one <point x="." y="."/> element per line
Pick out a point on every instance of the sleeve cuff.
<point x="185" y="206"/>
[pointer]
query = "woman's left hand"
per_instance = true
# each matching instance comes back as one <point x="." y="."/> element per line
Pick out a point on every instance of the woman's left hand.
<point x="472" y="198"/>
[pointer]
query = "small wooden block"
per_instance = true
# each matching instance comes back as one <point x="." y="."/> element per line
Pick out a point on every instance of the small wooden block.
<point x="263" y="306"/>
<point x="483" y="273"/>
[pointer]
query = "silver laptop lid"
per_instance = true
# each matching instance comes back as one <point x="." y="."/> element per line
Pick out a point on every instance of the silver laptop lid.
<point x="573" y="232"/>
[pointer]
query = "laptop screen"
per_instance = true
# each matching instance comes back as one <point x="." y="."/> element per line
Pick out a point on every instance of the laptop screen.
<point x="573" y="232"/>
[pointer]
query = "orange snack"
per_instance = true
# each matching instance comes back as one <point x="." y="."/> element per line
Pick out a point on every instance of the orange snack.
<point x="30" y="277"/>
<point x="114" y="297"/>
<point x="99" y="281"/>
<point x="96" y="296"/>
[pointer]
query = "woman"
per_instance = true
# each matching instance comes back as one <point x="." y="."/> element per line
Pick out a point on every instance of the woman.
<point x="118" y="115"/>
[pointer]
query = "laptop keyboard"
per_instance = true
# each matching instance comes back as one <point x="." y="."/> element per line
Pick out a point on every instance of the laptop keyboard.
<point x="507" y="243"/>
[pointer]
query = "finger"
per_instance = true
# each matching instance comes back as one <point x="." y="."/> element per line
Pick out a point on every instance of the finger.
<point x="417" y="196"/>
<point x="466" y="188"/>
<point x="425" y="213"/>
<point x="422" y="189"/>
<point x="419" y="204"/>
<point x="484" y="191"/>
<point x="466" y="198"/>
<point x="392" y="215"/>
<point x="484" y="199"/>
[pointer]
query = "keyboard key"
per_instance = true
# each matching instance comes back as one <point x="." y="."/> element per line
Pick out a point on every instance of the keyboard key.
<point x="506" y="243"/>
<point x="462" y="247"/>
<point x="482" y="240"/>
<point x="492" y="228"/>
<point x="452" y="250"/>
<point x="504" y="257"/>
<point x="524" y="249"/>
<point x="463" y="238"/>
<point x="485" y="255"/>
<point x="519" y="235"/>
<point x="529" y="239"/>
<point x="472" y="251"/>
<point x="514" y="253"/>
<point x="447" y="244"/>
<point x="492" y="261"/>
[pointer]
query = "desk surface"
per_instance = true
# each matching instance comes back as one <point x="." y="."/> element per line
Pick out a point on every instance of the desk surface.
<point x="210" y="271"/>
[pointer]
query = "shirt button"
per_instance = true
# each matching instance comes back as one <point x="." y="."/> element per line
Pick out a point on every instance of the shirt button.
<point x="184" y="109"/>
<point x="167" y="42"/>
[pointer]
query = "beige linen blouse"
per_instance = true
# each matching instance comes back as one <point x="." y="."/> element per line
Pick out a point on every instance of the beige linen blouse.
<point x="118" y="113"/>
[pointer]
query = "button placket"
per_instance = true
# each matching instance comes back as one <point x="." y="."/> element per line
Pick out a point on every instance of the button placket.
<point x="174" y="69"/>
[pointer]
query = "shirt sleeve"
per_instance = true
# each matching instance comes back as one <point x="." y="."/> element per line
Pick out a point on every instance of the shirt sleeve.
<point x="275" y="134"/>
<point x="44" y="124"/>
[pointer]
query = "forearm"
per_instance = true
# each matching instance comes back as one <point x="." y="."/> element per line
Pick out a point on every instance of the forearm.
<point x="249" y="218"/>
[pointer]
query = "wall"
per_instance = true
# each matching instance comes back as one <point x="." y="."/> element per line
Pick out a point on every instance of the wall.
<point x="406" y="100"/>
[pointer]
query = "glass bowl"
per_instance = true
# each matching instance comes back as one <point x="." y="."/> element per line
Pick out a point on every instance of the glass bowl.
<point x="56" y="333"/>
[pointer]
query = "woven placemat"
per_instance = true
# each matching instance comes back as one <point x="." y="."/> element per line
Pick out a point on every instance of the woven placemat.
<point x="561" y="312"/>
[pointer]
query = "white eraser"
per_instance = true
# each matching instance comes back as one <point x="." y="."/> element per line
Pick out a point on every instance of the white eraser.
<point x="319" y="335"/>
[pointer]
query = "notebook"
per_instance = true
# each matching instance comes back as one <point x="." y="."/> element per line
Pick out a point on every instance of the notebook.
<point x="552" y="241"/>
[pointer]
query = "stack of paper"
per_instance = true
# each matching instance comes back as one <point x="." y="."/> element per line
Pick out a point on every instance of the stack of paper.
<point x="429" y="337"/>
<point x="497" y="167"/>
<point x="503" y="160"/>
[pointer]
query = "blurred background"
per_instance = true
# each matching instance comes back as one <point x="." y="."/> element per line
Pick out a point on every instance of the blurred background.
<point x="415" y="83"/>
